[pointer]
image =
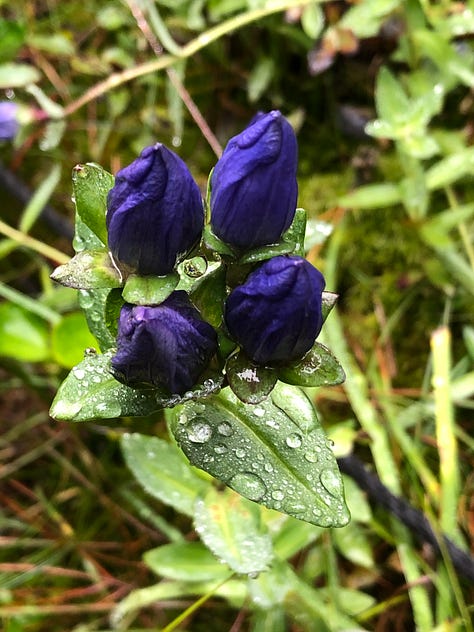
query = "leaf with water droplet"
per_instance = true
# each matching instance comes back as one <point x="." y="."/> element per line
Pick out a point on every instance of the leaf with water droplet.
<point x="275" y="453"/>
<point x="186" y="561"/>
<point x="91" y="185"/>
<point x="250" y="382"/>
<point x="230" y="527"/>
<point x="319" y="367"/>
<point x="91" y="392"/>
<point x="161" y="470"/>
<point x="88" y="270"/>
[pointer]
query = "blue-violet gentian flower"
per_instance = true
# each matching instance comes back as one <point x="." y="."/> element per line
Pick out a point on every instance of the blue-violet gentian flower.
<point x="166" y="345"/>
<point x="276" y="314"/>
<point x="8" y="120"/>
<point x="154" y="212"/>
<point x="253" y="185"/>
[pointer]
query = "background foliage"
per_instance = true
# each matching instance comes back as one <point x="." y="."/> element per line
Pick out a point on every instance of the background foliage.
<point x="83" y="546"/>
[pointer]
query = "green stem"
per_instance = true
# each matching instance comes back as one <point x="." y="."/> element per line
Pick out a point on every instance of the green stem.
<point x="190" y="49"/>
<point x="34" y="244"/>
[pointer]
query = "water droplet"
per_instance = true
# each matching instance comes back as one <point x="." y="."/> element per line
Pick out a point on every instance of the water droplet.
<point x="277" y="494"/>
<point x="225" y="429"/>
<point x="240" y="453"/>
<point x="249" y="485"/>
<point x="176" y="141"/>
<point x="272" y="423"/>
<point x="258" y="412"/>
<point x="220" y="449"/>
<point x="90" y="351"/>
<point x="79" y="373"/>
<point x="268" y="467"/>
<point x="294" y="440"/>
<point x="311" y="456"/>
<point x="199" y="431"/>
<point x="331" y="482"/>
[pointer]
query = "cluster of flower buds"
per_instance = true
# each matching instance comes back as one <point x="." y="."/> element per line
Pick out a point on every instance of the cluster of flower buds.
<point x="155" y="218"/>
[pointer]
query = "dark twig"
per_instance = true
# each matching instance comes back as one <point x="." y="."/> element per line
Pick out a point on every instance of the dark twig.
<point x="414" y="519"/>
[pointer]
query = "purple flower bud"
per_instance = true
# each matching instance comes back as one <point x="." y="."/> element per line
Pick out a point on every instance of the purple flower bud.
<point x="8" y="120"/>
<point x="166" y="345"/>
<point x="253" y="185"/>
<point x="276" y="316"/>
<point x="154" y="212"/>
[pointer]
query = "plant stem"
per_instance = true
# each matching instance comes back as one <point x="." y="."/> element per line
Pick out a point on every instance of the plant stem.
<point x="34" y="244"/>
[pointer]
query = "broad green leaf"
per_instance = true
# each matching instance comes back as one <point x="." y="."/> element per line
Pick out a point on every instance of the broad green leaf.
<point x="274" y="453"/>
<point x="89" y="270"/>
<point x="354" y="545"/>
<point x="91" y="185"/>
<point x="267" y="252"/>
<point x="450" y="169"/>
<point x="372" y="196"/>
<point x="230" y="527"/>
<point x="95" y="305"/>
<point x="161" y="470"/>
<point x="260" y="78"/>
<point x="366" y="18"/>
<point x="69" y="338"/>
<point x="57" y="44"/>
<point x="318" y="367"/>
<point x="186" y="561"/>
<point x="312" y="20"/>
<point x="208" y="295"/>
<point x="250" y="382"/>
<point x="91" y="392"/>
<point x="390" y="97"/>
<point x="17" y="75"/>
<point x="23" y="335"/>
<point x="149" y="290"/>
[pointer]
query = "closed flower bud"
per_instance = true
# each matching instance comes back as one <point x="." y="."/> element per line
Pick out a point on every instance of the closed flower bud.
<point x="8" y="120"/>
<point x="276" y="315"/>
<point x="154" y="212"/>
<point x="166" y="345"/>
<point x="253" y="185"/>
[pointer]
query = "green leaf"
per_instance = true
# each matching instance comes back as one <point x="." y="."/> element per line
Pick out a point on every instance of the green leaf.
<point x="260" y="78"/>
<point x="212" y="242"/>
<point x="91" y="392"/>
<point x="208" y="295"/>
<point x="318" y="367"/>
<point x="390" y="97"/>
<point x="372" y="196"/>
<point x="12" y="37"/>
<point x="354" y="545"/>
<point x="250" y="382"/>
<point x="91" y="185"/>
<point x="95" y="304"/>
<point x="312" y="20"/>
<point x="69" y="338"/>
<point x="186" y="561"/>
<point x="274" y="453"/>
<point x="89" y="270"/>
<point x="230" y="527"/>
<point x="17" y="75"/>
<point x="23" y="335"/>
<point x="267" y="252"/>
<point x="450" y="169"/>
<point x="149" y="290"/>
<point x="162" y="471"/>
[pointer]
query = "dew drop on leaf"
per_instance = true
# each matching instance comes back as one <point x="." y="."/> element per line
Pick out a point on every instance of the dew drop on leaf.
<point x="294" y="440"/>
<point x="249" y="485"/>
<point x="199" y="431"/>
<point x="331" y="482"/>
<point x="225" y="429"/>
